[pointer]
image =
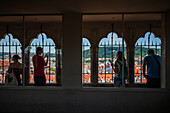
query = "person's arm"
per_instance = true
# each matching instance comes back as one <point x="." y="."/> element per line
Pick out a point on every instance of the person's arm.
<point x="112" y="66"/>
<point x="33" y="61"/>
<point x="10" y="69"/>
<point x="115" y="69"/>
<point x="144" y="68"/>
<point x="46" y="56"/>
<point x="111" y="63"/>
<point x="21" y="70"/>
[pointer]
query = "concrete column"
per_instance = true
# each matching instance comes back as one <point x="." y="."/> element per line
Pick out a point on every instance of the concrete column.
<point x="71" y="50"/>
<point x="163" y="54"/>
<point x="27" y="60"/>
<point x="130" y="60"/>
<point x="23" y="65"/>
<point x="94" y="65"/>
<point x="130" y="54"/>
<point x="58" y="66"/>
<point x="167" y="57"/>
<point x="27" y="65"/>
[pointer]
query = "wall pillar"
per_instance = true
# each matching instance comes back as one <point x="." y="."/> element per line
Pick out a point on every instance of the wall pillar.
<point x="26" y="53"/>
<point x="130" y="60"/>
<point x="72" y="49"/>
<point x="167" y="51"/>
<point x="130" y="54"/>
<point x="58" y="65"/>
<point x="94" y="65"/>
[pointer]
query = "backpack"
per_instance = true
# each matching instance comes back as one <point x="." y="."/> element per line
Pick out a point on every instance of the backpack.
<point x="125" y="70"/>
<point x="11" y="80"/>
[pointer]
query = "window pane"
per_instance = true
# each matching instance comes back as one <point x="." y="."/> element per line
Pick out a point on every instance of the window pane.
<point x="108" y="48"/>
<point x="144" y="33"/>
<point x="44" y="32"/>
<point x="10" y="44"/>
<point x="86" y="61"/>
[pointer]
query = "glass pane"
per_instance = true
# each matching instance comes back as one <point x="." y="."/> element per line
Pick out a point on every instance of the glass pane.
<point x="44" y="32"/>
<point x="144" y="33"/>
<point x="10" y="45"/>
<point x="105" y="33"/>
<point x="86" y="61"/>
<point x="108" y="48"/>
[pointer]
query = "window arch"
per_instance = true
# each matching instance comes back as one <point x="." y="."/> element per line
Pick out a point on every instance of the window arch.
<point x="48" y="46"/>
<point x="86" y="61"/>
<point x="108" y="48"/>
<point x="8" y="47"/>
<point x="149" y="41"/>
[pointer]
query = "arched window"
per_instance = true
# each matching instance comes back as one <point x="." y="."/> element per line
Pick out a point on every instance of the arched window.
<point x="8" y="47"/>
<point x="48" y="46"/>
<point x="149" y="41"/>
<point x="108" y="48"/>
<point x="86" y="61"/>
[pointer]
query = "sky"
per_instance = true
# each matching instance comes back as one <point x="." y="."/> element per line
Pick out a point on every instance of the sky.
<point x="107" y="40"/>
<point x="116" y="39"/>
<point x="85" y="41"/>
<point x="34" y="42"/>
<point x="12" y="42"/>
<point x="153" y="39"/>
<point x="46" y="41"/>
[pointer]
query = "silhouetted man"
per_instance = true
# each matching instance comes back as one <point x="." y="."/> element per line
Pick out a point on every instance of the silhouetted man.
<point x="39" y="63"/>
<point x="153" y="62"/>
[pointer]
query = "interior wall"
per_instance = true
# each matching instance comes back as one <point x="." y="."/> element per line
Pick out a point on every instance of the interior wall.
<point x="83" y="101"/>
<point x="32" y="29"/>
<point x="71" y="50"/>
<point x="71" y="98"/>
<point x="95" y="31"/>
<point x="167" y="32"/>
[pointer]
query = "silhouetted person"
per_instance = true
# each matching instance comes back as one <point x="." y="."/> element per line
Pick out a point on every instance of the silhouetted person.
<point x="118" y="69"/>
<point x="152" y="61"/>
<point x="39" y="63"/>
<point x="16" y="67"/>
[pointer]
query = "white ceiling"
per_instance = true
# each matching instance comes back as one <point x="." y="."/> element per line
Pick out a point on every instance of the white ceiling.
<point x="127" y="17"/>
<point x="86" y="18"/>
<point x="83" y="6"/>
<point x="31" y="18"/>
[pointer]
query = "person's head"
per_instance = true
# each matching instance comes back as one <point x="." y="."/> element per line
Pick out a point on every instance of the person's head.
<point x="150" y="51"/>
<point x="119" y="55"/>
<point x="39" y="50"/>
<point x="15" y="58"/>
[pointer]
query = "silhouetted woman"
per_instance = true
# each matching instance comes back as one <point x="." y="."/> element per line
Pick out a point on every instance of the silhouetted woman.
<point x="16" y="67"/>
<point x="118" y="69"/>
